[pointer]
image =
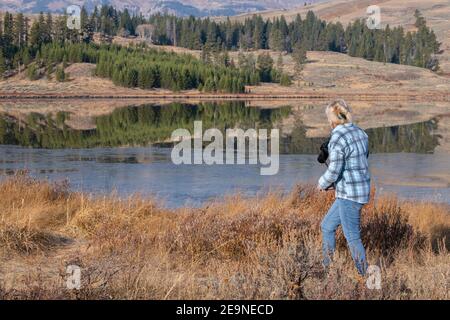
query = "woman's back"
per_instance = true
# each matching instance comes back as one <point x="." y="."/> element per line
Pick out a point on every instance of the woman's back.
<point x="349" y="148"/>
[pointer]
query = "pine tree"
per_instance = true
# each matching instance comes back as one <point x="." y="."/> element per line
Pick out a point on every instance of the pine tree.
<point x="60" y="74"/>
<point x="132" y="78"/>
<point x="95" y="20"/>
<point x="35" y="34"/>
<point x="276" y="37"/>
<point x="280" y="62"/>
<point x="61" y="30"/>
<point x="407" y="50"/>
<point x="224" y="59"/>
<point x="420" y="20"/>
<point x="295" y="31"/>
<point x="285" y="80"/>
<point x="48" y="28"/>
<point x="300" y="58"/>
<point x="230" y="35"/>
<point x="265" y="66"/>
<point x="19" y="32"/>
<point x="259" y="34"/>
<point x="212" y="35"/>
<point x="206" y="54"/>
<point x="284" y="34"/>
<point x="87" y="29"/>
<point x="2" y="64"/>
<point x="1" y="31"/>
<point x="126" y="22"/>
<point x="246" y="37"/>
<point x="8" y="29"/>
<point x="33" y="72"/>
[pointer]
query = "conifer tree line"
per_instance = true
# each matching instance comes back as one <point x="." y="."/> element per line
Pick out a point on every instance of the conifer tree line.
<point x="157" y="69"/>
<point x="48" y="43"/>
<point x="146" y="68"/>
<point x="21" y="39"/>
<point x="389" y="45"/>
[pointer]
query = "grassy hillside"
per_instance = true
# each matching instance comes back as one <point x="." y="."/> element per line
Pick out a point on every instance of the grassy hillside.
<point x="394" y="13"/>
<point x="325" y="72"/>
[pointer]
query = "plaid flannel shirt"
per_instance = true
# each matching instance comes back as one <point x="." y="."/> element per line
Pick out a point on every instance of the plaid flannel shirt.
<point x="348" y="169"/>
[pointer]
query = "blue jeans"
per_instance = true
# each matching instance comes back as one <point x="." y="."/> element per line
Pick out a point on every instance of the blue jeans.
<point x="347" y="213"/>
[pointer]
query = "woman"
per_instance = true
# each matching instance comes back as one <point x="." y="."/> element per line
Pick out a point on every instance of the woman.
<point x="348" y="173"/>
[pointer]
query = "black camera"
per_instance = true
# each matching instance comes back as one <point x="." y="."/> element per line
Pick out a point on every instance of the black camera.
<point x="323" y="154"/>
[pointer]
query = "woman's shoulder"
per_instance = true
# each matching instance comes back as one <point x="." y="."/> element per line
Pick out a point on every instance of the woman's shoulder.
<point x="360" y="130"/>
<point x="338" y="137"/>
<point x="340" y="131"/>
<point x="344" y="134"/>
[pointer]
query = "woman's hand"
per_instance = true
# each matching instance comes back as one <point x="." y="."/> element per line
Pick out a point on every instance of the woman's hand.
<point x="319" y="188"/>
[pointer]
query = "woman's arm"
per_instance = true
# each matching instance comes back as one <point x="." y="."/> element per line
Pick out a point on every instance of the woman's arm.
<point x="337" y="156"/>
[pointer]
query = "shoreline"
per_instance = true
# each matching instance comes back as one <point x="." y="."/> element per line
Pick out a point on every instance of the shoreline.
<point x="433" y="97"/>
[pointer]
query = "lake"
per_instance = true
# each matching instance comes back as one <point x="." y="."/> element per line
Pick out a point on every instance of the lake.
<point x="150" y="171"/>
<point x="94" y="160"/>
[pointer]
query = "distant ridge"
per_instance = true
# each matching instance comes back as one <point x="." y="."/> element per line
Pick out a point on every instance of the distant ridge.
<point x="198" y="8"/>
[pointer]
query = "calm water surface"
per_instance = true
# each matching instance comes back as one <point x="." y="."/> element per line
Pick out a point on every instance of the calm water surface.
<point x="149" y="171"/>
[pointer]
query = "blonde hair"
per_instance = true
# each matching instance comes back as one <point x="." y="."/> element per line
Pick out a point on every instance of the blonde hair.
<point x="338" y="112"/>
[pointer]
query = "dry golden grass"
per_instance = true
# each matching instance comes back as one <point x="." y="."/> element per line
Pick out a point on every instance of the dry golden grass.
<point x="235" y="248"/>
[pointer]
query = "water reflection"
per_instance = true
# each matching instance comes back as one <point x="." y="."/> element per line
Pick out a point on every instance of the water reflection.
<point x="134" y="125"/>
<point x="412" y="138"/>
<point x="153" y="124"/>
